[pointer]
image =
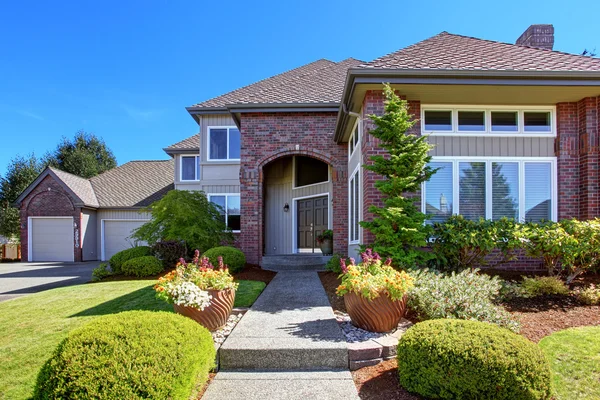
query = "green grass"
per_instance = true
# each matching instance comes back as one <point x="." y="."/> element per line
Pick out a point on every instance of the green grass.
<point x="248" y="292"/>
<point x="32" y="326"/>
<point x="574" y="356"/>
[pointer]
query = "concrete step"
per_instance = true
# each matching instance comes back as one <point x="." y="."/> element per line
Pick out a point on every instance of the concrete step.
<point x="295" y="262"/>
<point x="288" y="385"/>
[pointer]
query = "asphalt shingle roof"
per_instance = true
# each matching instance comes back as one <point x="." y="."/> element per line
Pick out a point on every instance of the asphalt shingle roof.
<point x="447" y="51"/>
<point x="191" y="143"/>
<point x="321" y="81"/>
<point x="78" y="185"/>
<point x="134" y="184"/>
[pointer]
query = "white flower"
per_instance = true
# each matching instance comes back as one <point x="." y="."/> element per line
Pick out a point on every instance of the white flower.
<point x="189" y="295"/>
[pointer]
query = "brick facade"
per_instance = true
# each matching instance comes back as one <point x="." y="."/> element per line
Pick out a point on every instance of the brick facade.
<point x="49" y="199"/>
<point x="267" y="137"/>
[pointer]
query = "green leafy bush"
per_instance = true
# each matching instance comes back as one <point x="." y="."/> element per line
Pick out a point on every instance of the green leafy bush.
<point x="541" y="285"/>
<point x="589" y="295"/>
<point x="452" y="359"/>
<point x="232" y="257"/>
<point x="465" y="295"/>
<point x="100" y="272"/>
<point x="333" y="264"/>
<point x="169" y="252"/>
<point x="116" y="262"/>
<point x="142" y="266"/>
<point x="459" y="243"/>
<point x="130" y="355"/>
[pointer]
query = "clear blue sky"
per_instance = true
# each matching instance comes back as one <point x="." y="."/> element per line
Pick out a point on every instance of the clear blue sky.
<point x="126" y="70"/>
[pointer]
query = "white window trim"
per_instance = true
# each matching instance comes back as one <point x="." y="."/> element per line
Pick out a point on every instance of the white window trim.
<point x="102" y="239"/>
<point x="358" y="131"/>
<point x="487" y="132"/>
<point x="208" y="132"/>
<point x="209" y="195"/>
<point x="295" y="216"/>
<point x="355" y="173"/>
<point x="312" y="184"/>
<point x="197" y="173"/>
<point x="488" y="188"/>
<point x="30" y="235"/>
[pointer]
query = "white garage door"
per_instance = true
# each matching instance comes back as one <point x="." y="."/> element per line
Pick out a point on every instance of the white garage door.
<point x="51" y="239"/>
<point x="116" y="236"/>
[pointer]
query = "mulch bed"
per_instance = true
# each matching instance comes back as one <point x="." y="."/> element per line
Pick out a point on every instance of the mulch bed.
<point x="380" y="382"/>
<point x="255" y="273"/>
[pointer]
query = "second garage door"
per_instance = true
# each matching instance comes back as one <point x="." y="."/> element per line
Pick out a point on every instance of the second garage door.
<point x="51" y="239"/>
<point x="117" y="236"/>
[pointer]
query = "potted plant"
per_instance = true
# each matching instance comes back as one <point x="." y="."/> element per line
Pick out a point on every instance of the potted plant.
<point x="374" y="292"/>
<point x="200" y="291"/>
<point x="325" y="241"/>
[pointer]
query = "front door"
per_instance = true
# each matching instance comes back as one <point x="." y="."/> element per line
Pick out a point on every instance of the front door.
<point x="313" y="218"/>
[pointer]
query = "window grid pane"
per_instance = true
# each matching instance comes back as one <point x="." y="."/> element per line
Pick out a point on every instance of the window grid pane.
<point x="505" y="121"/>
<point x="188" y="168"/>
<point x="439" y="192"/>
<point x="538" y="191"/>
<point x="536" y="121"/>
<point x="471" y="121"/>
<point x="438" y="120"/>
<point x="505" y="190"/>
<point x="472" y="190"/>
<point x="218" y="144"/>
<point x="234" y="143"/>
<point x="356" y="206"/>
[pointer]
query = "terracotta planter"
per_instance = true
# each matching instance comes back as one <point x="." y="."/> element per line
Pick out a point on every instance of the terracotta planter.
<point x="326" y="246"/>
<point x="216" y="314"/>
<point x="378" y="315"/>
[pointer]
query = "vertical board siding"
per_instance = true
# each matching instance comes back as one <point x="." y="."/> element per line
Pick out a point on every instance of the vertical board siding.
<point x="221" y="189"/>
<point x="89" y="235"/>
<point x="478" y="146"/>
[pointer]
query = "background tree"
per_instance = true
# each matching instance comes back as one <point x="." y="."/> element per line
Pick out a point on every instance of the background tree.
<point x="20" y="173"/>
<point x="398" y="226"/>
<point x="185" y="216"/>
<point x="86" y="155"/>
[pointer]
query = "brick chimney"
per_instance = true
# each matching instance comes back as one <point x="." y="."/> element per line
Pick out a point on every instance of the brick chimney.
<point x="540" y="36"/>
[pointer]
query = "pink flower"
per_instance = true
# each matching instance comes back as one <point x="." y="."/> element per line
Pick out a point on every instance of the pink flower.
<point x="221" y="265"/>
<point x="182" y="262"/>
<point x="388" y="262"/>
<point x="343" y="265"/>
<point x="196" y="257"/>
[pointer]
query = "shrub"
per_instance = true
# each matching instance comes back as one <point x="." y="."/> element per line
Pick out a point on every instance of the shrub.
<point x="232" y="257"/>
<point x="333" y="264"/>
<point x="130" y="355"/>
<point x="452" y="359"/>
<point x="116" y="261"/>
<point x="101" y="272"/>
<point x="185" y="216"/>
<point x="589" y="295"/>
<point x="142" y="266"/>
<point x="464" y="295"/>
<point x="541" y="285"/>
<point x="169" y="252"/>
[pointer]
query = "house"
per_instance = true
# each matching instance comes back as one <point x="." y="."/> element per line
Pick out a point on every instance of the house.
<point x="515" y="129"/>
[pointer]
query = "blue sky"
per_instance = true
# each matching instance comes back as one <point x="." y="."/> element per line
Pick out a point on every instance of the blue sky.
<point x="126" y="70"/>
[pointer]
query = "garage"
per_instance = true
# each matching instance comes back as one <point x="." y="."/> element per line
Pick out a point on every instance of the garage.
<point x="116" y="236"/>
<point x="51" y="239"/>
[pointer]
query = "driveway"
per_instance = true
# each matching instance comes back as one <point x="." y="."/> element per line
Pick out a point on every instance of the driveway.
<point x="18" y="279"/>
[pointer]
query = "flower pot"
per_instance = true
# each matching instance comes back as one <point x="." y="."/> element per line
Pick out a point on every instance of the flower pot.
<point x="378" y="315"/>
<point x="326" y="246"/>
<point x="216" y="314"/>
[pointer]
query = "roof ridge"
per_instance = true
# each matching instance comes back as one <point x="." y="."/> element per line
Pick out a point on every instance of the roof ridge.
<point x="54" y="169"/>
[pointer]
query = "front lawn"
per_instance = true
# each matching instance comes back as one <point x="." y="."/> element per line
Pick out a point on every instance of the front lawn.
<point x="574" y="356"/>
<point x="32" y="326"/>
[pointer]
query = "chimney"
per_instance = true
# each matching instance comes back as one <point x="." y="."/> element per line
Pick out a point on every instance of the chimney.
<point x="540" y="36"/>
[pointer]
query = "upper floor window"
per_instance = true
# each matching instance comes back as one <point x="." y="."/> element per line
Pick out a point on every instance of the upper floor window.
<point x="190" y="168"/>
<point x="354" y="139"/>
<point x="488" y="120"/>
<point x="223" y="143"/>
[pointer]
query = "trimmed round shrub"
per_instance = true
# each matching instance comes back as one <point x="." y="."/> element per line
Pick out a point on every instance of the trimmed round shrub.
<point x="131" y="355"/>
<point x="455" y="359"/>
<point x="232" y="257"/>
<point x="116" y="261"/>
<point x="142" y="266"/>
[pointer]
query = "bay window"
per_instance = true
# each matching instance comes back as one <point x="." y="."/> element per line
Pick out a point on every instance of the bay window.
<point x="523" y="189"/>
<point x="230" y="209"/>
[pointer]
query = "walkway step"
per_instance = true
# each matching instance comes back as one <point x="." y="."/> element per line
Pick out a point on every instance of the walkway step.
<point x="295" y="262"/>
<point x="289" y="385"/>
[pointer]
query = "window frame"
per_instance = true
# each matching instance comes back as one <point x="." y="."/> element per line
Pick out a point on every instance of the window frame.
<point x="208" y="135"/>
<point x="355" y="175"/>
<point x="294" y="186"/>
<point x="355" y="135"/>
<point x="488" y="182"/>
<point x="197" y="173"/>
<point x="227" y="195"/>
<point x="488" y="109"/>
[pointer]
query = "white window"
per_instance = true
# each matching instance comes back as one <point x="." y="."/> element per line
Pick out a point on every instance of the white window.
<point x="523" y="189"/>
<point x="354" y="205"/>
<point x="223" y="143"/>
<point x="230" y="209"/>
<point x="488" y="120"/>
<point x="354" y="139"/>
<point x="190" y="168"/>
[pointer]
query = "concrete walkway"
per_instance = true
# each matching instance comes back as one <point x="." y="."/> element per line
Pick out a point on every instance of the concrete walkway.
<point x="288" y="346"/>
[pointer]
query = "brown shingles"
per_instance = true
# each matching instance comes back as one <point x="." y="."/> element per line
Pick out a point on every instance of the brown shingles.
<point x="81" y="187"/>
<point x="191" y="143"/>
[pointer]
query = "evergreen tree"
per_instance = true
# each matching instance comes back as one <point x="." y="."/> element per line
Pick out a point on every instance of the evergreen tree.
<point x="398" y="226"/>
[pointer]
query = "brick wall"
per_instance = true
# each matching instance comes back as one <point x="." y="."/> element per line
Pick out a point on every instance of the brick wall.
<point x="269" y="136"/>
<point x="49" y="199"/>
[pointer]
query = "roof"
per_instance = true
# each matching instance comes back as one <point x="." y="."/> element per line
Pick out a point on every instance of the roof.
<point x="81" y="187"/>
<point x="447" y="51"/>
<point x="321" y="81"/>
<point x="191" y="143"/>
<point x="134" y="184"/>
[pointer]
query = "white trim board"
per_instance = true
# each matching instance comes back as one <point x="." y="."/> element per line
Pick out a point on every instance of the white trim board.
<point x="295" y="218"/>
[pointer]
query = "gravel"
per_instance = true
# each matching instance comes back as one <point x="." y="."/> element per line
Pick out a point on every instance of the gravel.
<point x="221" y="334"/>
<point x="354" y="334"/>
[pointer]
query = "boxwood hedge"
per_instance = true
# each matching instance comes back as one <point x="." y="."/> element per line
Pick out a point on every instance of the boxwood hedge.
<point x="142" y="266"/>
<point x="116" y="261"/>
<point x="232" y="257"/>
